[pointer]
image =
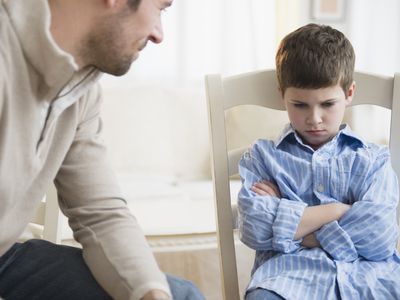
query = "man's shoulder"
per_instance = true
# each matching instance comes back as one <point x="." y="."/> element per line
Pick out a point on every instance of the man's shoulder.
<point x="8" y="41"/>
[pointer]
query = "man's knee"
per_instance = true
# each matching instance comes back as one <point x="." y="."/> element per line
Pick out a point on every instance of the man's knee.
<point x="64" y="267"/>
<point x="182" y="289"/>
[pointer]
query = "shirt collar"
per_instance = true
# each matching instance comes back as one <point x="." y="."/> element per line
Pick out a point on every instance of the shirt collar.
<point x="345" y="133"/>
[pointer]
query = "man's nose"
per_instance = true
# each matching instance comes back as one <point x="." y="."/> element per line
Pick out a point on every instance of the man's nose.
<point x="157" y="35"/>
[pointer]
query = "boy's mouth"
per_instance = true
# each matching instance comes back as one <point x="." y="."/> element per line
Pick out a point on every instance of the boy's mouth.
<point x="316" y="132"/>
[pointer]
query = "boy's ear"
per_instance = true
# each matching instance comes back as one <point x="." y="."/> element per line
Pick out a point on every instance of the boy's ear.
<point x="350" y="93"/>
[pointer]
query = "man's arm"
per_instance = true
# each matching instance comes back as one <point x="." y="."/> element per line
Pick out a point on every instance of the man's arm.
<point x="114" y="246"/>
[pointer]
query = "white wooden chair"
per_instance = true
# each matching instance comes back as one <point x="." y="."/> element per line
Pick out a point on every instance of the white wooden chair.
<point x="261" y="88"/>
<point x="48" y="220"/>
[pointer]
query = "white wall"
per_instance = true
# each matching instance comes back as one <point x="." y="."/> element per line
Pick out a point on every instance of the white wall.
<point x="229" y="37"/>
<point x="374" y="29"/>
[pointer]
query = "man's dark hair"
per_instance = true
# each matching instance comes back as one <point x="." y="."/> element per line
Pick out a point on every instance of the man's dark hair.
<point x="134" y="4"/>
<point x="315" y="56"/>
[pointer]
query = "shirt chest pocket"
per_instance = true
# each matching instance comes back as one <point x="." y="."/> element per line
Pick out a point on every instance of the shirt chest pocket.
<point x="345" y="176"/>
<point x="340" y="177"/>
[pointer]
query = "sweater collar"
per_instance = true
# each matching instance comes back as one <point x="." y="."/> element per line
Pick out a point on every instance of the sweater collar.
<point x="31" y="20"/>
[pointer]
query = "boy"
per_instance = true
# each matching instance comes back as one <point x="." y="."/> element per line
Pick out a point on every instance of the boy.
<point x="319" y="204"/>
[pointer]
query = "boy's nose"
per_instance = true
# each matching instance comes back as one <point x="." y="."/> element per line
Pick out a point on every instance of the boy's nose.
<point x="314" y="117"/>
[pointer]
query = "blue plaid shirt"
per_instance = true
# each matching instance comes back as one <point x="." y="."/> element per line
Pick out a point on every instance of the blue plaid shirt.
<point x="358" y="257"/>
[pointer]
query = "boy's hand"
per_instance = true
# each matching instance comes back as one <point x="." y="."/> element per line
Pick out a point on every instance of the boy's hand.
<point x="309" y="241"/>
<point x="266" y="188"/>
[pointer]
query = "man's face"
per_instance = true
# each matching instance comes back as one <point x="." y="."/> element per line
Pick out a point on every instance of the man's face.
<point x="316" y="114"/>
<point x="117" y="39"/>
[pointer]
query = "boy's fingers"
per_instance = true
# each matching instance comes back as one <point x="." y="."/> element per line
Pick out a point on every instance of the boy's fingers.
<point x="258" y="191"/>
<point x="273" y="186"/>
<point x="262" y="189"/>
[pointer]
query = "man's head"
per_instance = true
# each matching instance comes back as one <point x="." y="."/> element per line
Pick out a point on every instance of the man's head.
<point x="315" y="66"/>
<point x="118" y="36"/>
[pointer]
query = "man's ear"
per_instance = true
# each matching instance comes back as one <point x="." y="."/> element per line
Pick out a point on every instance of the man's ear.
<point x="350" y="93"/>
<point x="114" y="3"/>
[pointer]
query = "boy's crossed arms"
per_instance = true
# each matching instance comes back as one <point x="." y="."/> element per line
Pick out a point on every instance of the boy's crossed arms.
<point x="313" y="217"/>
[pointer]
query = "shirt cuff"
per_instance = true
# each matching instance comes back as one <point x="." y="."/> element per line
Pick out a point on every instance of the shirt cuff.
<point x="285" y="225"/>
<point x="335" y="240"/>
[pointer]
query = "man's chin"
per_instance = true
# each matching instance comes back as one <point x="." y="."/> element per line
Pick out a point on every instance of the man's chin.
<point x="116" y="70"/>
<point x="135" y="56"/>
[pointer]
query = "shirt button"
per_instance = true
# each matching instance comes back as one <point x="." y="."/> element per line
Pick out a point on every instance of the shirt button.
<point x="320" y="188"/>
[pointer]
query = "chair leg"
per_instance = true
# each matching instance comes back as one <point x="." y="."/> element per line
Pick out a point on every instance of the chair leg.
<point x="53" y="220"/>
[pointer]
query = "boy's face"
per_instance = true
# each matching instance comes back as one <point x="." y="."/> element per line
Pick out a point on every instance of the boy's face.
<point x="316" y="114"/>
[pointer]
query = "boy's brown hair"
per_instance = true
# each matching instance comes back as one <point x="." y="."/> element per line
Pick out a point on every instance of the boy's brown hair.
<point x="315" y="56"/>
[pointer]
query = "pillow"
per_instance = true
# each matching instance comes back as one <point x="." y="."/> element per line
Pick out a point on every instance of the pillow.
<point x="157" y="130"/>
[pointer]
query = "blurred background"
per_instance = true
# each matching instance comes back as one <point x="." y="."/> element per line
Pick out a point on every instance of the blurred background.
<point x="234" y="36"/>
<point x="155" y="116"/>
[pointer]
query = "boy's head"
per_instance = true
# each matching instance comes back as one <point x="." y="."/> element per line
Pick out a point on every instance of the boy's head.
<point x="315" y="66"/>
<point x="315" y="56"/>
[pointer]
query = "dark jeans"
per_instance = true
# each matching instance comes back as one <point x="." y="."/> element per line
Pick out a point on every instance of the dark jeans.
<point x="38" y="269"/>
<point x="261" y="294"/>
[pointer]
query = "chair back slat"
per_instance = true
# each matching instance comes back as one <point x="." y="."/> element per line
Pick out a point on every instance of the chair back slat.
<point x="254" y="88"/>
<point x="394" y="139"/>
<point x="373" y="89"/>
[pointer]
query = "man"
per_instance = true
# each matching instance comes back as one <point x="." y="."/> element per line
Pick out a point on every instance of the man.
<point x="52" y="53"/>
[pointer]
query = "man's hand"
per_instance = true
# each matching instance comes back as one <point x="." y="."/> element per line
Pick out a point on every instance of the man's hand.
<point x="266" y="188"/>
<point x="156" y="295"/>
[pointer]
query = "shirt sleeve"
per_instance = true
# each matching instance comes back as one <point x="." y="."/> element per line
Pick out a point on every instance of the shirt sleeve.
<point x="114" y="246"/>
<point x="265" y="222"/>
<point x="369" y="229"/>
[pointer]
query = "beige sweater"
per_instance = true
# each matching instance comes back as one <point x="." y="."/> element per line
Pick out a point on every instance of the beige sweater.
<point x="50" y="129"/>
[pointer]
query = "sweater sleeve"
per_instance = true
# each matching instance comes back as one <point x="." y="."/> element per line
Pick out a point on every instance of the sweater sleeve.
<point x="114" y="246"/>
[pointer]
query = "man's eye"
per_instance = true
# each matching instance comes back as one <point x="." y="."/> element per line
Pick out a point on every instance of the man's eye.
<point x="328" y="104"/>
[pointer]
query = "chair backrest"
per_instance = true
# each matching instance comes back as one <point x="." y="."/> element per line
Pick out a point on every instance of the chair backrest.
<point x="261" y="88"/>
